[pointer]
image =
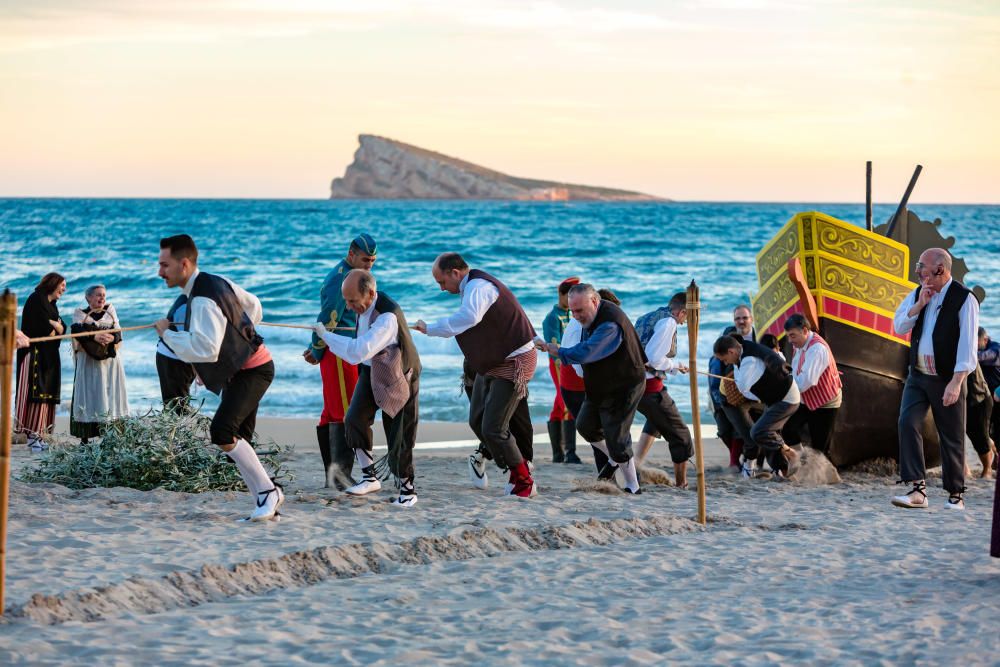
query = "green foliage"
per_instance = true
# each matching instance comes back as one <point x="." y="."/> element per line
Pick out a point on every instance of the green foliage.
<point x="160" y="449"/>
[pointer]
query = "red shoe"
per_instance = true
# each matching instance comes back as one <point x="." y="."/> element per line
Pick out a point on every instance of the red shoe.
<point x="524" y="485"/>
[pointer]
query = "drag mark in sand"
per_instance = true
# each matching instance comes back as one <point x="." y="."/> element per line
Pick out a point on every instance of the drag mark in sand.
<point x="214" y="583"/>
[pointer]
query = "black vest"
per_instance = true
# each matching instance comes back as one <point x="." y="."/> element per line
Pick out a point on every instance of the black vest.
<point x="238" y="343"/>
<point x="408" y="351"/>
<point x="777" y="378"/>
<point x="623" y="369"/>
<point x="503" y="329"/>
<point x="946" y="330"/>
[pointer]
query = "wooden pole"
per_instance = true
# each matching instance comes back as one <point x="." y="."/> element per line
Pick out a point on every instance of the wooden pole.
<point x="868" y="195"/>
<point x="693" y="308"/>
<point x="900" y="214"/>
<point x="8" y="322"/>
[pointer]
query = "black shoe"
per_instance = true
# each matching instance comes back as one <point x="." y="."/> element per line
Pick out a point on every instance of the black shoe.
<point x="608" y="471"/>
<point x="555" y="438"/>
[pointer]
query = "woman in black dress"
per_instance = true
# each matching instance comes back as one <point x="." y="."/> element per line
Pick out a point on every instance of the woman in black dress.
<point x="39" y="372"/>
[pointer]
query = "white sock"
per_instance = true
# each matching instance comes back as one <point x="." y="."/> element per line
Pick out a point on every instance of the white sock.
<point x="631" y="479"/>
<point x="363" y="458"/>
<point x="251" y="470"/>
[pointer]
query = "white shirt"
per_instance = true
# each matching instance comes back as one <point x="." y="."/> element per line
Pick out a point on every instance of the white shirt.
<point x="572" y="335"/>
<point x="478" y="296"/>
<point x="751" y="369"/>
<point x="372" y="338"/>
<point x="208" y="324"/>
<point x="968" y="324"/>
<point x="659" y="346"/>
<point x="817" y="359"/>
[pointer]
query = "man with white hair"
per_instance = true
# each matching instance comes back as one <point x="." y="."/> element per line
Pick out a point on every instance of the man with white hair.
<point x="614" y="376"/>
<point x="942" y="317"/>
<point x="388" y="380"/>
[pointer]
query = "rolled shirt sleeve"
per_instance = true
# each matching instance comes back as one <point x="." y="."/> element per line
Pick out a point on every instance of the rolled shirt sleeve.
<point x="477" y="297"/>
<point x="604" y="340"/>
<point x="384" y="331"/>
<point x="901" y="321"/>
<point x="659" y="346"/>
<point x="202" y="342"/>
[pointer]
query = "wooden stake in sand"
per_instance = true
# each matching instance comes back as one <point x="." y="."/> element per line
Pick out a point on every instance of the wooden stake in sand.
<point x="8" y="315"/>
<point x="693" y="308"/>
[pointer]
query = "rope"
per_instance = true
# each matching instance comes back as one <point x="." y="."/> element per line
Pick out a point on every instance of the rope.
<point x="43" y="339"/>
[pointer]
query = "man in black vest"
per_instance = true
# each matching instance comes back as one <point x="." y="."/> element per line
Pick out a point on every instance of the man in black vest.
<point x="761" y="374"/>
<point x="175" y="375"/>
<point x="495" y="336"/>
<point x="614" y="376"/>
<point x="219" y="340"/>
<point x="942" y="318"/>
<point x="388" y="380"/>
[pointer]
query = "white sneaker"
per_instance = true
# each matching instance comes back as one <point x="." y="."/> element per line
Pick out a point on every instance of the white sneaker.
<point x="748" y="469"/>
<point x="477" y="471"/>
<point x="364" y="487"/>
<point x="508" y="489"/>
<point x="268" y="503"/>
<point x="955" y="503"/>
<point x="405" y="500"/>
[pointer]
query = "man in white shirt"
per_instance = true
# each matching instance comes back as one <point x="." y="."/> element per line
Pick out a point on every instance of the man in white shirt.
<point x="942" y="318"/>
<point x="175" y="375"/>
<point x="761" y="374"/>
<point x="495" y="336"/>
<point x="818" y="380"/>
<point x="658" y="334"/>
<point x="388" y="380"/>
<point x="220" y="341"/>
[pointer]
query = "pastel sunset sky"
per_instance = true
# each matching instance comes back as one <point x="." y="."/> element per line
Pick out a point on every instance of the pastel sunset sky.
<point x="764" y="100"/>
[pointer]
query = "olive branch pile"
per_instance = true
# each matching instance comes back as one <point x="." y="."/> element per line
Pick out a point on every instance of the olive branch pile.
<point x="161" y="449"/>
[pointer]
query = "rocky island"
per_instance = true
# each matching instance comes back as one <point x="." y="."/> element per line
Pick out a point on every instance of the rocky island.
<point x="388" y="169"/>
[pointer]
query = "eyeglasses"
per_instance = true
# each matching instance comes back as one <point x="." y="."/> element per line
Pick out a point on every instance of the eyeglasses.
<point x="920" y="266"/>
<point x="740" y="319"/>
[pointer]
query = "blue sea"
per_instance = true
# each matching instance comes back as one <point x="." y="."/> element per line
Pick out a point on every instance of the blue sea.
<point x="281" y="250"/>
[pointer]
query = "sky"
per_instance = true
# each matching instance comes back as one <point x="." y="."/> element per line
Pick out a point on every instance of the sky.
<point x="763" y="100"/>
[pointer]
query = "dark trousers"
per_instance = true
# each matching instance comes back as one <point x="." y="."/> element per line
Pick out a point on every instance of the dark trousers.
<point x="664" y="419"/>
<point x="740" y="420"/>
<point x="236" y="416"/>
<point x="726" y="431"/>
<point x="520" y="428"/>
<point x="400" y="431"/>
<point x="977" y="424"/>
<point x="492" y="406"/>
<point x="820" y="423"/>
<point x="920" y="394"/>
<point x="609" y="418"/>
<point x="765" y="436"/>
<point x="176" y="377"/>
<point x="573" y="400"/>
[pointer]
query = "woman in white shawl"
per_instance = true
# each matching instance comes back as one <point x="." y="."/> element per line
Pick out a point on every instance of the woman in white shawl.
<point x="99" y="384"/>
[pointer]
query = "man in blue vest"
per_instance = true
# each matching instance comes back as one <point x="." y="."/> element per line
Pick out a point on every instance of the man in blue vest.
<point x="942" y="318"/>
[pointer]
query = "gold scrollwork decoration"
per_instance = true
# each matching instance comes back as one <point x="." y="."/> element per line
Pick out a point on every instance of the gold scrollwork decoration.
<point x="777" y="256"/>
<point x="773" y="300"/>
<point x="853" y="246"/>
<point x="853" y="283"/>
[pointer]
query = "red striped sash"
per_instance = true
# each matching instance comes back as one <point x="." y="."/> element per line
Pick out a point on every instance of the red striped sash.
<point x="826" y="389"/>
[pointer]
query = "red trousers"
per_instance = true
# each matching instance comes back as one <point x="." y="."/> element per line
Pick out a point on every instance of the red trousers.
<point x="339" y="378"/>
<point x="559" y="412"/>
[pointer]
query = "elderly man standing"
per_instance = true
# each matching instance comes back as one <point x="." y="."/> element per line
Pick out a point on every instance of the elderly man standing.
<point x="614" y="376"/>
<point x="388" y="380"/>
<point x="339" y="376"/>
<point x="761" y="374"/>
<point x="818" y="380"/>
<point x="942" y="318"/>
<point x="495" y="335"/>
<point x="658" y="333"/>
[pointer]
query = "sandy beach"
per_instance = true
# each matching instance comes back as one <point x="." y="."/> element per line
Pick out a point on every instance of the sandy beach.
<point x="582" y="574"/>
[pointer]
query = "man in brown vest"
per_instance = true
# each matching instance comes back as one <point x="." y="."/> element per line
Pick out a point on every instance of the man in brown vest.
<point x="388" y="380"/>
<point x="942" y="318"/>
<point x="614" y="377"/>
<point x="495" y="336"/>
